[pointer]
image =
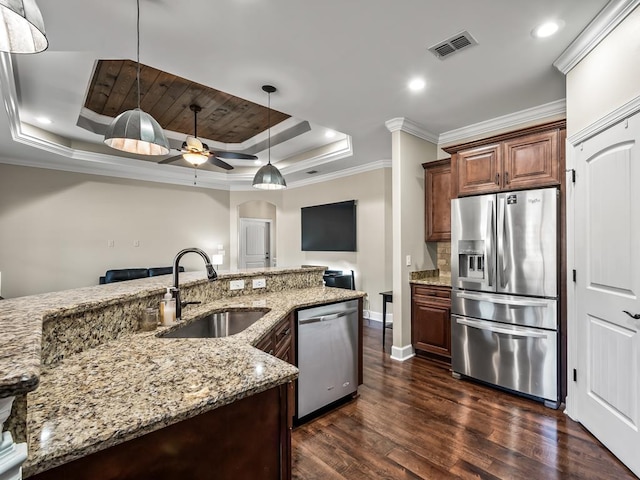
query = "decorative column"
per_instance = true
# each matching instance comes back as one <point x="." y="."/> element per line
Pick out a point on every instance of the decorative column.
<point x="12" y="455"/>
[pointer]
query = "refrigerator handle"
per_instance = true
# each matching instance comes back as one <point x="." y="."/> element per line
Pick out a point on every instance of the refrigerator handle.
<point x="502" y="235"/>
<point x="490" y="261"/>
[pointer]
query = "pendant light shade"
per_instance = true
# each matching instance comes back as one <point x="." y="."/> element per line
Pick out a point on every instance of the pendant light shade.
<point x="268" y="177"/>
<point x="21" y="27"/>
<point x="135" y="131"/>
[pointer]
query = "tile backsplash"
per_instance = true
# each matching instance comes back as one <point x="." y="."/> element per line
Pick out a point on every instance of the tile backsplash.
<point x="444" y="257"/>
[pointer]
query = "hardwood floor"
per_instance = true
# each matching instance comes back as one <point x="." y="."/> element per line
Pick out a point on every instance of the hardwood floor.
<point x="412" y="420"/>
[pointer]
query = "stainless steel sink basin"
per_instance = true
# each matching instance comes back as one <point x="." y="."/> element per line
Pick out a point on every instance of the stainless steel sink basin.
<point x="219" y="324"/>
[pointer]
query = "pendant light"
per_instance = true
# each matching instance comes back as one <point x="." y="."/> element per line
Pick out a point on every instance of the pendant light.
<point x="269" y="177"/>
<point x="22" y="27"/>
<point x="135" y="131"/>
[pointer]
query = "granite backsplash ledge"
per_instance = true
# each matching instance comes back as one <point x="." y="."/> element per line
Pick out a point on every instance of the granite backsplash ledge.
<point x="21" y="319"/>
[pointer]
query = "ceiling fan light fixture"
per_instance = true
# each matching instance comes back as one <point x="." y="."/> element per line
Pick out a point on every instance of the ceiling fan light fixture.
<point x="195" y="158"/>
<point x="135" y="131"/>
<point x="268" y="177"/>
<point x="22" y="27"/>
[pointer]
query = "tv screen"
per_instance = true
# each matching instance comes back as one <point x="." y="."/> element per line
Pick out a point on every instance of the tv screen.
<point x="329" y="228"/>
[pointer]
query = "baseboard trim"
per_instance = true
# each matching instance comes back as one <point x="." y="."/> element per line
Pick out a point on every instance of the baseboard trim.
<point x="402" y="354"/>
<point x="377" y="316"/>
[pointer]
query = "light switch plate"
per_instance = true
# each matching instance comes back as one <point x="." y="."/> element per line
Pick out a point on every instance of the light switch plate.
<point x="259" y="283"/>
<point x="408" y="260"/>
<point x="236" y="284"/>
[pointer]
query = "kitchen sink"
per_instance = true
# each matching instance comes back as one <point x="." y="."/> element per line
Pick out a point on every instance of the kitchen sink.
<point x="219" y="324"/>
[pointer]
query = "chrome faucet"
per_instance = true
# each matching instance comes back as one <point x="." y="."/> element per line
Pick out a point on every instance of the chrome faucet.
<point x="211" y="275"/>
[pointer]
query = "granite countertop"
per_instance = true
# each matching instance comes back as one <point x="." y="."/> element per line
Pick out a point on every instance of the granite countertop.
<point x="431" y="277"/>
<point x="441" y="280"/>
<point x="21" y="318"/>
<point x="140" y="383"/>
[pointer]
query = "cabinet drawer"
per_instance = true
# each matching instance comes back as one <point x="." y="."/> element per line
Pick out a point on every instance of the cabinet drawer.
<point x="432" y="291"/>
<point x="283" y="333"/>
<point x="266" y="344"/>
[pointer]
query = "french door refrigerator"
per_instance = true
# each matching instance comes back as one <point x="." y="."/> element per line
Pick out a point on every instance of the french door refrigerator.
<point x="504" y="274"/>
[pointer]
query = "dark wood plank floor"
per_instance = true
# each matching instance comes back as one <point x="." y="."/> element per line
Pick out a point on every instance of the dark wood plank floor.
<point x="412" y="420"/>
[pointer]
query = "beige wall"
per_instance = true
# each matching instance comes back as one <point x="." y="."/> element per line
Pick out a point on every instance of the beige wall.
<point x="408" y="154"/>
<point x="371" y="263"/>
<point x="607" y="78"/>
<point x="55" y="227"/>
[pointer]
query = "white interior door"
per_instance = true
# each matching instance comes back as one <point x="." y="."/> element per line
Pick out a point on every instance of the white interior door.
<point x="607" y="260"/>
<point x="255" y="243"/>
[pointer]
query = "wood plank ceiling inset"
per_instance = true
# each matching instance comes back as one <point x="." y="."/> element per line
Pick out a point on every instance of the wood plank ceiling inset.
<point x="224" y="117"/>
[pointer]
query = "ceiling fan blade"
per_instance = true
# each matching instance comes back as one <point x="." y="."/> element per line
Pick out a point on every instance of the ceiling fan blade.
<point x="169" y="160"/>
<point x="219" y="163"/>
<point x="234" y="155"/>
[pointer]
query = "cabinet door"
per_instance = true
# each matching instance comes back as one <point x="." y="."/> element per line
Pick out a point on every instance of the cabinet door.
<point x="431" y="329"/>
<point x="437" y="190"/>
<point x="478" y="170"/>
<point x="531" y="161"/>
<point x="430" y="320"/>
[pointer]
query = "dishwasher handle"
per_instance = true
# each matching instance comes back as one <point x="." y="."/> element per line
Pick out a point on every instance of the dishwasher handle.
<point x="328" y="317"/>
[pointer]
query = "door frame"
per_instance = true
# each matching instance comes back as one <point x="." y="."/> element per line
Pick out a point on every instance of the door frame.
<point x="272" y="258"/>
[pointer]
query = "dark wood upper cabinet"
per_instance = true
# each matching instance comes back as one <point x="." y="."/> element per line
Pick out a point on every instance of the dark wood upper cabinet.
<point x="531" y="161"/>
<point x="527" y="158"/>
<point x="479" y="170"/>
<point x="437" y="191"/>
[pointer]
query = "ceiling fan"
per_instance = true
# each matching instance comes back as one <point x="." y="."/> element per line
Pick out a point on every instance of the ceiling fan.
<point x="196" y="153"/>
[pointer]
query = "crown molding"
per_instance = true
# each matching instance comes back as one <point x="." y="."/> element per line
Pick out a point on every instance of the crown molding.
<point x="328" y="157"/>
<point x="408" y="126"/>
<point x="367" y="167"/>
<point x="511" y="121"/>
<point x="619" y="114"/>
<point x="609" y="18"/>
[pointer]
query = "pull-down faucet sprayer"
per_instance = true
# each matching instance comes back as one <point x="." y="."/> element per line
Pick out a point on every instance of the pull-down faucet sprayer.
<point x="211" y="274"/>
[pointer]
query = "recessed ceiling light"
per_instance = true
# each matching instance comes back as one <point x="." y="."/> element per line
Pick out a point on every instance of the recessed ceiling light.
<point x="329" y="134"/>
<point x="257" y="162"/>
<point x="416" y="84"/>
<point x="43" y="120"/>
<point x="547" y="29"/>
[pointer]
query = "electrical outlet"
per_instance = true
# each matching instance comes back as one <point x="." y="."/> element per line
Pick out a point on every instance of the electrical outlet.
<point x="236" y="284"/>
<point x="136" y="243"/>
<point x="259" y="283"/>
<point x="111" y="243"/>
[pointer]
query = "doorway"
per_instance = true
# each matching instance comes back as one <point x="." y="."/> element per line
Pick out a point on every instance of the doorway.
<point x="255" y="243"/>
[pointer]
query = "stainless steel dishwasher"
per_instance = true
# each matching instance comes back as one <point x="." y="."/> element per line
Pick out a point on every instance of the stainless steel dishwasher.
<point x="327" y="355"/>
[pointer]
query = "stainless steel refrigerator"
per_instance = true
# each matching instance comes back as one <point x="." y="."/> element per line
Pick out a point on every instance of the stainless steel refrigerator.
<point x="504" y="273"/>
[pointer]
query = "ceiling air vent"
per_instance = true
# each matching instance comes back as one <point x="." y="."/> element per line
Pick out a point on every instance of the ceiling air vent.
<point x="452" y="45"/>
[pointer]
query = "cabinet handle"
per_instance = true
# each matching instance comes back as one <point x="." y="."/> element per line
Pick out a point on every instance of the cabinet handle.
<point x="506" y="177"/>
<point x="497" y="179"/>
<point x="286" y="332"/>
<point x="635" y="316"/>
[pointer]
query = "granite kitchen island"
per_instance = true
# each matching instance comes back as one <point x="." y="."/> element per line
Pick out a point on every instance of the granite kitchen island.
<point x="101" y="383"/>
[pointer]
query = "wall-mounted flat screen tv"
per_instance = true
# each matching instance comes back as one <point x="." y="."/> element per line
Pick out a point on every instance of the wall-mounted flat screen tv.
<point x="329" y="228"/>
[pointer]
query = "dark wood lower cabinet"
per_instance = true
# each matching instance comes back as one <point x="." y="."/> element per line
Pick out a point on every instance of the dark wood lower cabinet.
<point x="431" y="321"/>
<point x="250" y="438"/>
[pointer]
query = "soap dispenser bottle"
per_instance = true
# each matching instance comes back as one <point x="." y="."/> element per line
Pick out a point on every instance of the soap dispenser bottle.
<point x="168" y="309"/>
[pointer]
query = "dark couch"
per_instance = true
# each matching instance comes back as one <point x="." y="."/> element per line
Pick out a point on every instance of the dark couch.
<point x="132" y="273"/>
